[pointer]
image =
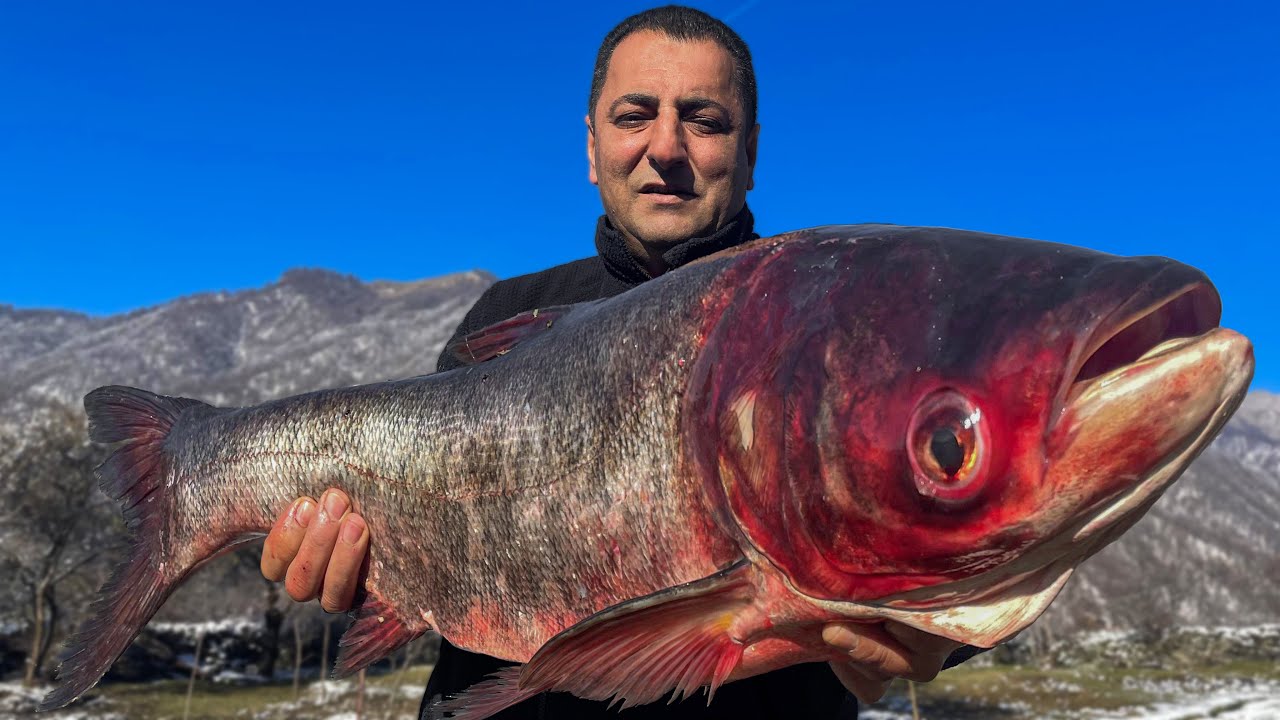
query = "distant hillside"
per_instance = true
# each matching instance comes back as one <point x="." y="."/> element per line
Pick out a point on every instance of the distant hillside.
<point x="311" y="329"/>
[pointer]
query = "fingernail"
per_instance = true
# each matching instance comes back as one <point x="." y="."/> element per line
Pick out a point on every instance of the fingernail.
<point x="334" y="505"/>
<point x="303" y="511"/>
<point x="352" y="529"/>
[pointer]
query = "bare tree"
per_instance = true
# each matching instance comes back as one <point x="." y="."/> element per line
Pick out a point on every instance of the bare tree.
<point x="272" y="615"/>
<point x="58" y="529"/>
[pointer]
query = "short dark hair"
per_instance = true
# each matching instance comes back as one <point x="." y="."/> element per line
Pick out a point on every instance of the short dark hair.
<point x="687" y="24"/>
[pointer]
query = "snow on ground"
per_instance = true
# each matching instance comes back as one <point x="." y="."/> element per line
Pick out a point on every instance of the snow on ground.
<point x="17" y="701"/>
<point x="1239" y="635"/>
<point x="192" y="630"/>
<point x="1238" y="700"/>
<point x="1225" y="706"/>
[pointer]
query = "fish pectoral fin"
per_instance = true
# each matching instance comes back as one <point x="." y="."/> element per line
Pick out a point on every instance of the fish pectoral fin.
<point x="377" y="632"/>
<point x="500" y="337"/>
<point x="678" y="639"/>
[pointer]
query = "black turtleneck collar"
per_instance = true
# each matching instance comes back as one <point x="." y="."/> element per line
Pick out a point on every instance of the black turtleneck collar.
<point x="627" y="268"/>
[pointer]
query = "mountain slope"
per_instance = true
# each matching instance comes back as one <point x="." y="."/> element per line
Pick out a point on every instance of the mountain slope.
<point x="312" y="329"/>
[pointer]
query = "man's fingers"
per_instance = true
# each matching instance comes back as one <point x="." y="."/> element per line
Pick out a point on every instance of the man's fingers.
<point x="879" y="655"/>
<point x="307" y="571"/>
<point x="921" y="642"/>
<point x="343" y="573"/>
<point x="285" y="538"/>
<point x="866" y="689"/>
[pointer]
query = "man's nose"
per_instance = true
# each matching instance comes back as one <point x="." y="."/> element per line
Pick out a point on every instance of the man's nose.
<point x="666" y="144"/>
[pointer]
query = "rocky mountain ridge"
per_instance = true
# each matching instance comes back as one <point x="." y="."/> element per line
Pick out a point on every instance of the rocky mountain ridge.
<point x="311" y="329"/>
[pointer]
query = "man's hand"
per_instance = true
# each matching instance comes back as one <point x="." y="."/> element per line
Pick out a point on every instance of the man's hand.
<point x="318" y="549"/>
<point x="880" y="653"/>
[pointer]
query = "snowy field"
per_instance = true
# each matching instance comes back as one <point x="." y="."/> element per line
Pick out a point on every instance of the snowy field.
<point x="1247" y="704"/>
<point x="1003" y="693"/>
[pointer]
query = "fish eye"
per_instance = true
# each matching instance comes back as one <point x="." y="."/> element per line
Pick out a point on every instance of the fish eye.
<point x="948" y="445"/>
<point x="948" y="450"/>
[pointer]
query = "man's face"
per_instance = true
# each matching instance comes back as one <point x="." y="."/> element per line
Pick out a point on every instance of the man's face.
<point x="669" y="149"/>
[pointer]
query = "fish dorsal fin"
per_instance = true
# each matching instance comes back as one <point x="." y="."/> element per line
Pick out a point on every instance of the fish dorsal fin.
<point x="678" y="639"/>
<point x="498" y="338"/>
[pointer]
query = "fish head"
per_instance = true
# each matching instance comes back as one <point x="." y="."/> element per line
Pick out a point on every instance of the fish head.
<point x="941" y="425"/>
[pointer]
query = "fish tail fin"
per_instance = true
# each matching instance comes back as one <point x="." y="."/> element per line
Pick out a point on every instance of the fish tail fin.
<point x="134" y="476"/>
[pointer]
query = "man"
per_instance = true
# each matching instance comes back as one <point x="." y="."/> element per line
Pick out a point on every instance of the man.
<point x="671" y="144"/>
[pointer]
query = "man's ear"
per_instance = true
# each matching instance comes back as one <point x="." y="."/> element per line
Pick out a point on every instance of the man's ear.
<point x="752" y="138"/>
<point x="591" y="152"/>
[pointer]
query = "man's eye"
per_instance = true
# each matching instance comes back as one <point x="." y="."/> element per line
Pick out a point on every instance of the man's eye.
<point x="629" y="120"/>
<point x="707" y="124"/>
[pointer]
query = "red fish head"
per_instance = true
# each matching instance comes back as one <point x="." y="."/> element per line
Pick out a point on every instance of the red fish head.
<point x="924" y="419"/>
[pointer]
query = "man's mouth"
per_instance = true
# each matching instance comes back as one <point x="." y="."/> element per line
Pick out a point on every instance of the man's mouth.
<point x="672" y="192"/>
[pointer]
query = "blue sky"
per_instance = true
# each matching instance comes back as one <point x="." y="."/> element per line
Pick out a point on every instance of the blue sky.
<point x="154" y="149"/>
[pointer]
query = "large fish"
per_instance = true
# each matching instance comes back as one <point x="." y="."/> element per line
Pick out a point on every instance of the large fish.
<point x="678" y="487"/>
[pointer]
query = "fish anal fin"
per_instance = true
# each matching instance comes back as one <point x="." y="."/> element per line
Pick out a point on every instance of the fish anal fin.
<point x="500" y="337"/>
<point x="498" y="692"/>
<point x="377" y="631"/>
<point x="679" y="639"/>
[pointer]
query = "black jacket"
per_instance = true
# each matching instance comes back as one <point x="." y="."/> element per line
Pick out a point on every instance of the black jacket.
<point x="800" y="691"/>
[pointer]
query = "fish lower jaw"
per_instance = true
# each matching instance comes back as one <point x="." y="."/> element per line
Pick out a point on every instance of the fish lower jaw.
<point x="966" y="611"/>
<point x="1134" y="502"/>
<point x="1167" y="347"/>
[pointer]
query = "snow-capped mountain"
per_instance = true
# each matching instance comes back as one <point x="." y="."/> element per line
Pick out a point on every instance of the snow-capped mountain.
<point x="311" y="329"/>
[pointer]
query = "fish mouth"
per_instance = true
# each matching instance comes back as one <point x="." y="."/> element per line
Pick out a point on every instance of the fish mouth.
<point x="1166" y="357"/>
<point x="1152" y="329"/>
<point x="1219" y="360"/>
<point x="1164" y="378"/>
